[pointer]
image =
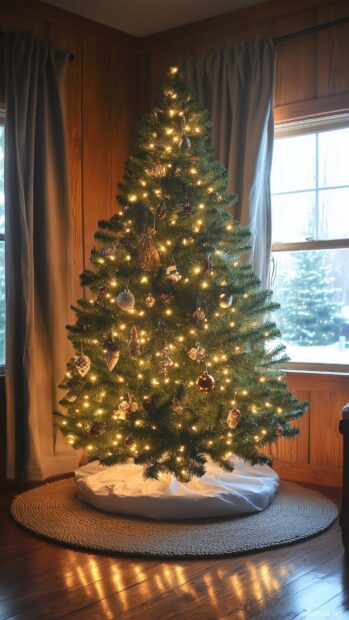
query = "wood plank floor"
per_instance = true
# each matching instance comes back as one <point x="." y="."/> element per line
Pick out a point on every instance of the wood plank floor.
<point x="39" y="580"/>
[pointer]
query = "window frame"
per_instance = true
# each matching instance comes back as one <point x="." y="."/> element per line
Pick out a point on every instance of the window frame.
<point x="283" y="129"/>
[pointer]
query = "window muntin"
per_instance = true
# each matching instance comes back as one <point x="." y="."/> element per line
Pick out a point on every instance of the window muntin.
<point x="310" y="214"/>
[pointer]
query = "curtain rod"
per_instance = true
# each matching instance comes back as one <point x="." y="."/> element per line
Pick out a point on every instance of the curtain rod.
<point x="71" y="56"/>
<point x="300" y="33"/>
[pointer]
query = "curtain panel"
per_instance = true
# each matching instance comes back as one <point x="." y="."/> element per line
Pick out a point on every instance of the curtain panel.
<point x="236" y="85"/>
<point x="38" y="254"/>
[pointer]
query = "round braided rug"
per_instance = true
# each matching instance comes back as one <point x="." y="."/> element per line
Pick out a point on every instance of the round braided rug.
<point x="53" y="511"/>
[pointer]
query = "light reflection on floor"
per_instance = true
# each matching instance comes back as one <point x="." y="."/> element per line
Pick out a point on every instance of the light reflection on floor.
<point x="123" y="584"/>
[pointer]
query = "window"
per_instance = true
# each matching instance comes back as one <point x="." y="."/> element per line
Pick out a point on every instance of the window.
<point x="310" y="217"/>
<point x="2" y="244"/>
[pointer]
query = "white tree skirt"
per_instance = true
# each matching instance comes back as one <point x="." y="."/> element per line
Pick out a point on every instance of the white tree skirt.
<point x="124" y="490"/>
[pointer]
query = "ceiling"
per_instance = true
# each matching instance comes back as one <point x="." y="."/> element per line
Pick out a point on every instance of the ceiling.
<point x="143" y="17"/>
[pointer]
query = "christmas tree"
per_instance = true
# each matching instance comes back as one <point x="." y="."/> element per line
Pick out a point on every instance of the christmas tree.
<point x="174" y="363"/>
<point x="306" y="293"/>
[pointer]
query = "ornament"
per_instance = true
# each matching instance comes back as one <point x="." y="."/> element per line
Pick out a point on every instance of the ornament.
<point x="167" y="298"/>
<point x="207" y="264"/>
<point x="161" y="210"/>
<point x="158" y="169"/>
<point x="199" y="314"/>
<point x="187" y="208"/>
<point x="126" y="300"/>
<point x="205" y="382"/>
<point x="70" y="397"/>
<point x="177" y="406"/>
<point x="125" y="409"/>
<point x="109" y="250"/>
<point x="148" y="256"/>
<point x="165" y="360"/>
<point x="129" y="441"/>
<point x="197" y="353"/>
<point x="82" y="364"/>
<point x="185" y="144"/>
<point x="134" y="346"/>
<point x="150" y="301"/>
<point x="94" y="431"/>
<point x="146" y="403"/>
<point x="103" y="291"/>
<point x="112" y="353"/>
<point x="279" y="430"/>
<point x="233" y="418"/>
<point x="225" y="300"/>
<point x="172" y="273"/>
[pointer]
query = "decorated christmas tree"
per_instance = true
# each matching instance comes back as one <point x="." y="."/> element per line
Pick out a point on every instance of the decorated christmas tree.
<point x="174" y="358"/>
<point x="307" y="295"/>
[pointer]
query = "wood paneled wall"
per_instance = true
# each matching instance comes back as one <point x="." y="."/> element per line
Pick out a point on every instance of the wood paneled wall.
<point x="105" y="95"/>
<point x="101" y="94"/>
<point x="311" y="69"/>
<point x="312" y="77"/>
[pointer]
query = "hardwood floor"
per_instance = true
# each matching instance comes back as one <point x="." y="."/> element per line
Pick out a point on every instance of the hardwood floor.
<point x="39" y="580"/>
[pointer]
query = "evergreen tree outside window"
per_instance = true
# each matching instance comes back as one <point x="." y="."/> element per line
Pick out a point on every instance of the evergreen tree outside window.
<point x="310" y="215"/>
<point x="2" y="244"/>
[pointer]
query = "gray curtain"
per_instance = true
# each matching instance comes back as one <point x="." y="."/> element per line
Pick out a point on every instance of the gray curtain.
<point x="38" y="254"/>
<point x="236" y="85"/>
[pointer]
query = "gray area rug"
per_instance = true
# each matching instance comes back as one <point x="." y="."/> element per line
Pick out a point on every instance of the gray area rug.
<point x="53" y="511"/>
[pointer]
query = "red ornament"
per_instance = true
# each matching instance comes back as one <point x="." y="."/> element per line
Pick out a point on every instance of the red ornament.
<point x="129" y="441"/>
<point x="187" y="208"/>
<point x="205" y="382"/>
<point x="161" y="210"/>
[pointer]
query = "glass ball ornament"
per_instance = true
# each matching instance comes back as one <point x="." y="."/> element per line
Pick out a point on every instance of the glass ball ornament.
<point x="225" y="300"/>
<point x="126" y="300"/>
<point x="205" y="382"/>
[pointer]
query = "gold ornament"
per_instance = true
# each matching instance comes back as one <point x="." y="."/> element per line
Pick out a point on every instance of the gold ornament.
<point x="158" y="169"/>
<point x="126" y="300"/>
<point x="225" y="300"/>
<point x="205" y="382"/>
<point x="233" y="418"/>
<point x="82" y="364"/>
<point x="134" y="346"/>
<point x="148" y="256"/>
<point x="197" y="353"/>
<point x="150" y="301"/>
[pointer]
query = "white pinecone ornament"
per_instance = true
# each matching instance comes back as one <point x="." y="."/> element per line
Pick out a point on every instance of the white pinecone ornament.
<point x="82" y="364"/>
